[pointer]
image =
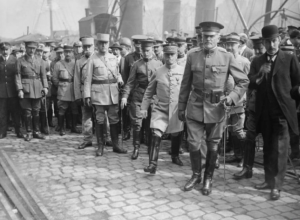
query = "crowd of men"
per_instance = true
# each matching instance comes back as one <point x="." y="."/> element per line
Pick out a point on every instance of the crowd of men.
<point x="178" y="88"/>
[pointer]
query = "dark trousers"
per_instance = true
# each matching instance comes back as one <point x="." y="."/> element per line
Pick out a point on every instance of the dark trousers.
<point x="12" y="106"/>
<point x="126" y="119"/>
<point x="275" y="132"/>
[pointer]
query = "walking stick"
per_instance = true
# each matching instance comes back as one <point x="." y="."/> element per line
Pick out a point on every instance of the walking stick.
<point x="45" y="103"/>
<point x="122" y="131"/>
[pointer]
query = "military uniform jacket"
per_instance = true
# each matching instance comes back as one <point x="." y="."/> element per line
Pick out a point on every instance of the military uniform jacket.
<point x="80" y="76"/>
<point x="165" y="84"/>
<point x="31" y="76"/>
<point x="63" y="78"/>
<point x="8" y="71"/>
<point x="139" y="78"/>
<point x="53" y="87"/>
<point x="48" y="74"/>
<point x="130" y="59"/>
<point x="182" y="61"/>
<point x="101" y="67"/>
<point x="205" y="73"/>
<point x="245" y="64"/>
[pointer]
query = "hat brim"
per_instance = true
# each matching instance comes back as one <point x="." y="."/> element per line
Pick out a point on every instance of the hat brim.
<point x="271" y="37"/>
<point x="120" y="48"/>
<point x="210" y="33"/>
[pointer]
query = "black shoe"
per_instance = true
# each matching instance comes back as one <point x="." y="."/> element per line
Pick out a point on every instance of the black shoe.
<point x="61" y="126"/>
<point x="207" y="186"/>
<point x="195" y="179"/>
<point x="176" y="160"/>
<point x="275" y="194"/>
<point x="233" y="159"/>
<point x="38" y="135"/>
<point x="28" y="137"/>
<point x="135" y="152"/>
<point x="85" y="144"/>
<point x="264" y="185"/>
<point x="150" y="169"/>
<point x="126" y="136"/>
<point x="246" y="173"/>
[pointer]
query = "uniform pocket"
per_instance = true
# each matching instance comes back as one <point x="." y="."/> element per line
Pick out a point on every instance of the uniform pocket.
<point x="26" y="87"/>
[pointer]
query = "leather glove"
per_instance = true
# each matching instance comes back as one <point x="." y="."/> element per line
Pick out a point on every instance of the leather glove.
<point x="123" y="102"/>
<point x="144" y="113"/>
<point x="21" y="94"/>
<point x="227" y="100"/>
<point x="88" y="102"/>
<point x="181" y="115"/>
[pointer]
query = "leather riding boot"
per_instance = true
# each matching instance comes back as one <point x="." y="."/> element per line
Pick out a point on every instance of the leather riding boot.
<point x="195" y="157"/>
<point x="209" y="171"/>
<point x="175" y="146"/>
<point x="153" y="157"/>
<point x="249" y="155"/>
<point x="36" y="128"/>
<point x="61" y="125"/>
<point x="74" y="123"/>
<point x="136" y="145"/>
<point x="99" y="129"/>
<point x="43" y="118"/>
<point x="50" y="117"/>
<point x="28" y="123"/>
<point x="68" y="120"/>
<point x="115" y="140"/>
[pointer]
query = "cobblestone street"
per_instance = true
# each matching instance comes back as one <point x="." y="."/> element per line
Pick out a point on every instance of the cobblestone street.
<point x="75" y="185"/>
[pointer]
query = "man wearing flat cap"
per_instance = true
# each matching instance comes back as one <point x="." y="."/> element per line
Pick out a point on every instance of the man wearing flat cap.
<point x="9" y="102"/>
<point x="101" y="89"/>
<point x="63" y="78"/>
<point x="202" y="99"/>
<point x="129" y="60"/>
<point x="31" y="81"/>
<point x="165" y="84"/>
<point x="276" y="77"/>
<point x="237" y="113"/>
<point x="158" y="50"/>
<point x="140" y="75"/>
<point x="249" y="142"/>
<point x="79" y="78"/>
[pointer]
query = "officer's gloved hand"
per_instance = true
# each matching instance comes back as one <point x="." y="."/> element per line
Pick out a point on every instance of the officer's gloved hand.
<point x="227" y="100"/>
<point x="21" y="94"/>
<point x="45" y="91"/>
<point x="144" y="113"/>
<point x="123" y="102"/>
<point x="181" y="115"/>
<point x="88" y="102"/>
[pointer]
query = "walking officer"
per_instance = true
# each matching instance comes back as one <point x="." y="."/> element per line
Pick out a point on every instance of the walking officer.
<point x="9" y="102"/>
<point x="138" y="80"/>
<point x="165" y="84"/>
<point x="63" y="78"/>
<point x="101" y="89"/>
<point x="202" y="91"/>
<point x="31" y="81"/>
<point x="79" y="78"/>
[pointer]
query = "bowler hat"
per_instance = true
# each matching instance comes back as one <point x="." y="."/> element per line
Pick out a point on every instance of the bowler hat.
<point x="116" y="45"/>
<point x="269" y="32"/>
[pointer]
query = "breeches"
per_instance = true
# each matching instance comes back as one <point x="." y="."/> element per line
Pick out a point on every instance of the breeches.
<point x="64" y="105"/>
<point x="112" y="113"/>
<point x="31" y="107"/>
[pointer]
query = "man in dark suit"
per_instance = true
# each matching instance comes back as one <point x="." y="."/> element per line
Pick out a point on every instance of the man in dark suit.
<point x="9" y="102"/>
<point x="276" y="76"/>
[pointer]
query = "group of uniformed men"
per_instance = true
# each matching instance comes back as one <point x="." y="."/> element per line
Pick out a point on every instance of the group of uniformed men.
<point x="163" y="88"/>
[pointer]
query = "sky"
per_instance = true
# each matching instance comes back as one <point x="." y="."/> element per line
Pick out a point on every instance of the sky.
<point x="17" y="15"/>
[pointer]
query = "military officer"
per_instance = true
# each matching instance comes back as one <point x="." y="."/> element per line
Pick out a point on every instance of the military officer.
<point x="79" y="78"/>
<point x="181" y="43"/>
<point x="46" y="101"/>
<point x="201" y="93"/>
<point x="77" y="50"/>
<point x="31" y="81"/>
<point x="63" y="78"/>
<point x="249" y="144"/>
<point x="139" y="78"/>
<point x="101" y="90"/>
<point x="129" y="60"/>
<point x="237" y="113"/>
<point x="158" y="49"/>
<point x="165" y="84"/>
<point x="9" y="102"/>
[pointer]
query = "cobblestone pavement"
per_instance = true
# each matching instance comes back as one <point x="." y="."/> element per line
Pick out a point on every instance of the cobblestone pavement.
<point x="75" y="185"/>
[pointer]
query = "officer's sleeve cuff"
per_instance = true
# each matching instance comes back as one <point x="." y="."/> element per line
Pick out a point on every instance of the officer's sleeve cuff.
<point x="235" y="97"/>
<point x="181" y="106"/>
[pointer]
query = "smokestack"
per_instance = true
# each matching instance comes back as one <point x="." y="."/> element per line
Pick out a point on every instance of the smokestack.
<point x="99" y="6"/>
<point x="205" y="11"/>
<point x="87" y="12"/>
<point x="171" y="14"/>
